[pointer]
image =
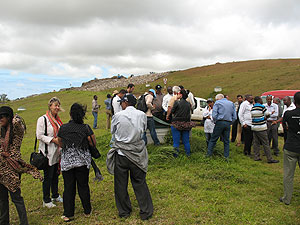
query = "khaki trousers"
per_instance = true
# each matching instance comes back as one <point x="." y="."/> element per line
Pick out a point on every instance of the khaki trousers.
<point x="239" y="134"/>
<point x="108" y="118"/>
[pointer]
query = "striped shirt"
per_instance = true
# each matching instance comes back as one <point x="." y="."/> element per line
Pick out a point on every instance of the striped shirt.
<point x="258" y="114"/>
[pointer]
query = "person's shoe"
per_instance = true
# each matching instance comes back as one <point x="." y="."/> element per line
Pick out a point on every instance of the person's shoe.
<point x="273" y="161"/>
<point x="281" y="199"/>
<point x="67" y="219"/>
<point x="58" y="199"/>
<point x="49" y="205"/>
<point x="259" y="159"/>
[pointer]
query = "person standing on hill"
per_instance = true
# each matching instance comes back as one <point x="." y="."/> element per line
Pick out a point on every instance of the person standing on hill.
<point x="272" y="109"/>
<point x="291" y="155"/>
<point x="259" y="115"/>
<point x="130" y="88"/>
<point x="157" y="102"/>
<point x="129" y="154"/>
<point x="11" y="165"/>
<point x="171" y="102"/>
<point x="116" y="106"/>
<point x="107" y="103"/>
<point x="95" y="109"/>
<point x="246" y="122"/>
<point x="223" y="115"/>
<point x="166" y="100"/>
<point x="236" y="132"/>
<point x="208" y="122"/>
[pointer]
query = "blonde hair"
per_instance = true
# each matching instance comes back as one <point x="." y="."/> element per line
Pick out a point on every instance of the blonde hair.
<point x="52" y="100"/>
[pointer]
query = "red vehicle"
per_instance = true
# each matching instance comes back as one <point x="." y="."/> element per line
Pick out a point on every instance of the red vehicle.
<point x="279" y="94"/>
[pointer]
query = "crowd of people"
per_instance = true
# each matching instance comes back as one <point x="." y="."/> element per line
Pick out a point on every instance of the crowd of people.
<point x="66" y="146"/>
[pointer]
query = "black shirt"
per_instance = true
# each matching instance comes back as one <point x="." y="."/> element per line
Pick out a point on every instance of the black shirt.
<point x="292" y="119"/>
<point x="181" y="111"/>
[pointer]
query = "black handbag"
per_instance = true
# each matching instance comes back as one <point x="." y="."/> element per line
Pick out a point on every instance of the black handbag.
<point x="93" y="150"/>
<point x="38" y="159"/>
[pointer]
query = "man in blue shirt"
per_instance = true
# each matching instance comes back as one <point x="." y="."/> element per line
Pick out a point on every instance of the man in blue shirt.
<point x="108" y="112"/>
<point x="223" y="115"/>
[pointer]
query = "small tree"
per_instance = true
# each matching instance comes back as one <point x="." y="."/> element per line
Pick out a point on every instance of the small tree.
<point x="3" y="98"/>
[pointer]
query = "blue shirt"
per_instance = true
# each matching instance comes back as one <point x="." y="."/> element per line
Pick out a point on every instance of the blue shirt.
<point x="224" y="110"/>
<point x="107" y="102"/>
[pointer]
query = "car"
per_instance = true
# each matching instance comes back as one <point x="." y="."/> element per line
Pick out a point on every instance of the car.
<point x="200" y="104"/>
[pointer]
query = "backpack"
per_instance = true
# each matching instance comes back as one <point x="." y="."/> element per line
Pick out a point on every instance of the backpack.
<point x="141" y="103"/>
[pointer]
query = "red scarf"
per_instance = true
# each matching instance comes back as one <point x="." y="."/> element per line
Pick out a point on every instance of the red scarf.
<point x="55" y="122"/>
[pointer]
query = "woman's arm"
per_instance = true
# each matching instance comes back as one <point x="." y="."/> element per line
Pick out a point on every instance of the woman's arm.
<point x="90" y="140"/>
<point x="40" y="131"/>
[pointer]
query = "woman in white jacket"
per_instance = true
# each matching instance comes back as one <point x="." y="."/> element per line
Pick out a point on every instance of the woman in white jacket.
<point x="208" y="123"/>
<point x="48" y="145"/>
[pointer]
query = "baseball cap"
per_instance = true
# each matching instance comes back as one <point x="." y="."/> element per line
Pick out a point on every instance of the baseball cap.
<point x="128" y="97"/>
<point x="158" y="87"/>
<point x="153" y="91"/>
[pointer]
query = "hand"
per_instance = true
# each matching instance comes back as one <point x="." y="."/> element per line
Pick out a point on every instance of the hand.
<point x="245" y="126"/>
<point x="272" y="112"/>
<point x="167" y="118"/>
<point x="55" y="141"/>
<point x="5" y="154"/>
<point x="274" y="122"/>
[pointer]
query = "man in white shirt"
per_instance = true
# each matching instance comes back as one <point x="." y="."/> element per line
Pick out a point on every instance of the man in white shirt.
<point x="272" y="130"/>
<point x="246" y="122"/>
<point x="116" y="106"/>
<point x="167" y="98"/>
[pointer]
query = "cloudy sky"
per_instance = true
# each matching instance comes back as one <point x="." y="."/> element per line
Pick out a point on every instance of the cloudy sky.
<point x="46" y="45"/>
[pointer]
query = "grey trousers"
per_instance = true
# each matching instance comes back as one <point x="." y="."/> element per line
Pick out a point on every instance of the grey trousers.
<point x="261" y="137"/>
<point x="17" y="199"/>
<point x="273" y="135"/>
<point x="290" y="160"/>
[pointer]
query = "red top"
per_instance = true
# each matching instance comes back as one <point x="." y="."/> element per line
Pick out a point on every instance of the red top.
<point x="281" y="93"/>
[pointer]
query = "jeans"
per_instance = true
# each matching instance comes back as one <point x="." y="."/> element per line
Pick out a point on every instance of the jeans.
<point x="221" y="128"/>
<point x="185" y="134"/>
<point x="208" y="137"/>
<point x="50" y="181"/>
<point x="151" y="127"/>
<point x="78" y="176"/>
<point x="95" y="114"/>
<point x="17" y="199"/>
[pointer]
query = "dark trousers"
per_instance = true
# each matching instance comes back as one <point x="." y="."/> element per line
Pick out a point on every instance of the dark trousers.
<point x="208" y="137"/>
<point x="273" y="135"/>
<point x="151" y="127"/>
<point x="50" y="181"/>
<point x="248" y="137"/>
<point x="138" y="181"/>
<point x="234" y="130"/>
<point x="77" y="176"/>
<point x="17" y="199"/>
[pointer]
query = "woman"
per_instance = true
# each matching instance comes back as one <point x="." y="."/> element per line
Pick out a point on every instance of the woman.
<point x="48" y="142"/>
<point x="75" y="138"/>
<point x="11" y="165"/>
<point x="181" y="123"/>
<point x="208" y="123"/>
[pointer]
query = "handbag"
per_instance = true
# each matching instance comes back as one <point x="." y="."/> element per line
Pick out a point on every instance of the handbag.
<point x="93" y="150"/>
<point x="183" y="125"/>
<point x="38" y="159"/>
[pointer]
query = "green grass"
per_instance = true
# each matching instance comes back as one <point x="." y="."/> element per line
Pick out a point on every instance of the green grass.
<point x="194" y="190"/>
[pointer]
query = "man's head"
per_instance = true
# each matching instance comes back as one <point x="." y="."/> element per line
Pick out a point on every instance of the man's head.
<point x="175" y="90"/>
<point x="219" y="96"/>
<point x="130" y="88"/>
<point x="128" y="100"/>
<point x="152" y="92"/>
<point x="210" y="102"/>
<point x="297" y="99"/>
<point x="276" y="100"/>
<point x="249" y="98"/>
<point x="95" y="97"/>
<point x="169" y="90"/>
<point x="257" y="99"/>
<point x="122" y="92"/>
<point x="269" y="99"/>
<point x="181" y="87"/>
<point x="287" y="101"/>
<point x="108" y="96"/>
<point x="239" y="98"/>
<point x="182" y="94"/>
<point x="158" y="89"/>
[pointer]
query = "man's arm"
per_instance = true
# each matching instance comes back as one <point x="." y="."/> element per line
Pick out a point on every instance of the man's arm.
<point x="241" y="115"/>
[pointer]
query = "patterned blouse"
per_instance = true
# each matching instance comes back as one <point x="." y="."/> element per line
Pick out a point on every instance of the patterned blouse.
<point x="75" y="150"/>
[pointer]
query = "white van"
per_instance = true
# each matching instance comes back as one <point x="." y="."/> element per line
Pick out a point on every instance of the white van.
<point x="200" y="104"/>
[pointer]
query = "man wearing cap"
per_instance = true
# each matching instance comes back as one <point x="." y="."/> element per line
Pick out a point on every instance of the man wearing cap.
<point x="129" y="153"/>
<point x="157" y="102"/>
<point x="150" y="121"/>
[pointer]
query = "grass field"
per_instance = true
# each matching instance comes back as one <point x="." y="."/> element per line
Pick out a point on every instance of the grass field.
<point x="193" y="190"/>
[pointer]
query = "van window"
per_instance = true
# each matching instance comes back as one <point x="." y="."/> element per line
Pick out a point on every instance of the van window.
<point x="203" y="104"/>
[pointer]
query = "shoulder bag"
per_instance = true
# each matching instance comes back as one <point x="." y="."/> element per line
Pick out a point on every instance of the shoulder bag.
<point x="38" y="159"/>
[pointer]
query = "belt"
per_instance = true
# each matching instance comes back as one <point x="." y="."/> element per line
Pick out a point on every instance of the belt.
<point x="225" y="121"/>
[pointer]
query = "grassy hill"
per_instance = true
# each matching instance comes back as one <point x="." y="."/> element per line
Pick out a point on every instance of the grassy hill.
<point x="193" y="190"/>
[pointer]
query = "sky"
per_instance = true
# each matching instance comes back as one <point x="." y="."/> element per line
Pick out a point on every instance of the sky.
<point x="48" y="45"/>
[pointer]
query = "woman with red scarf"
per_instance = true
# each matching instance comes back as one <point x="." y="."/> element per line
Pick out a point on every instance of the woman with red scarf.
<point x="46" y="132"/>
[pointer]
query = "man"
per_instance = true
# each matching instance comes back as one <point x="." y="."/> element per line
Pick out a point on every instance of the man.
<point x="167" y="98"/>
<point x="129" y="153"/>
<point x="288" y="105"/>
<point x="95" y="108"/>
<point x="246" y="122"/>
<point x="280" y="109"/>
<point x="291" y="155"/>
<point x="223" y="115"/>
<point x="236" y="132"/>
<point x="272" y="110"/>
<point x="157" y="102"/>
<point x="107" y="103"/>
<point x="116" y="106"/>
<point x="174" y="98"/>
<point x="130" y="88"/>
<point x="259" y="116"/>
<point x="190" y="98"/>
<point x="150" y="120"/>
